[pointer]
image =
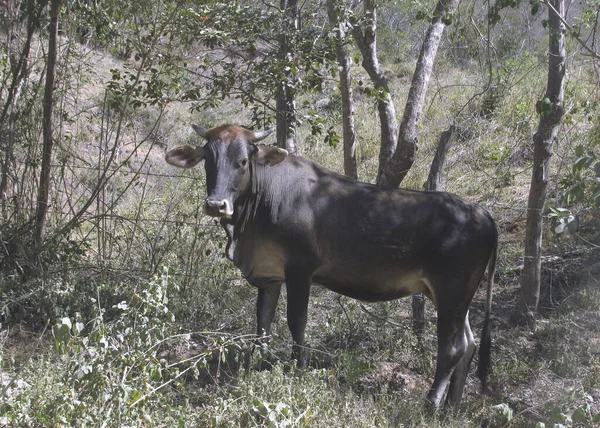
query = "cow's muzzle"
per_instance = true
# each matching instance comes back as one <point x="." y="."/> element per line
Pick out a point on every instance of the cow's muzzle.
<point x="218" y="208"/>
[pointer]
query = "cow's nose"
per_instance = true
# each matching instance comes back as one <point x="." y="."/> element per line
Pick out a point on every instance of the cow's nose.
<point x="218" y="207"/>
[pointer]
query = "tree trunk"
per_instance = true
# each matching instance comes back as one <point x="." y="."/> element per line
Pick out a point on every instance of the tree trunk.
<point x="44" y="186"/>
<point x="543" y="141"/>
<point x="19" y="72"/>
<point x="434" y="180"/>
<point x="348" y="132"/>
<point x="285" y="98"/>
<point x="404" y="155"/>
<point x="366" y="39"/>
<point x="433" y="183"/>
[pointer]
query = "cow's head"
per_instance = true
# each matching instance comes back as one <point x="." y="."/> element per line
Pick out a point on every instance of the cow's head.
<point x="228" y="154"/>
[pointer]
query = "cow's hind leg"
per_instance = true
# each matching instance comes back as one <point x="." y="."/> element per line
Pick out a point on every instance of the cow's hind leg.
<point x="452" y="346"/>
<point x="459" y="377"/>
<point x="297" y="283"/>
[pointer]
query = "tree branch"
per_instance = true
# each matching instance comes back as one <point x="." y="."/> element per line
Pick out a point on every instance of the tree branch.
<point x="572" y="32"/>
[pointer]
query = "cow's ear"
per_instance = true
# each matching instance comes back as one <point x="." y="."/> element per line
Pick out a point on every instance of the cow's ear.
<point x="185" y="156"/>
<point x="270" y="155"/>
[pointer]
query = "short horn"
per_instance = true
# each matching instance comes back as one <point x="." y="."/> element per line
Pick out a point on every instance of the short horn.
<point x="261" y="135"/>
<point x="200" y="131"/>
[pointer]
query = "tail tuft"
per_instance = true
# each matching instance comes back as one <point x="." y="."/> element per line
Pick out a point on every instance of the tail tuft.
<point x="485" y="352"/>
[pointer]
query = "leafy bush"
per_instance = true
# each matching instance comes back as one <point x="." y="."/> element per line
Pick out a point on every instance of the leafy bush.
<point x="111" y="371"/>
<point x="581" y="189"/>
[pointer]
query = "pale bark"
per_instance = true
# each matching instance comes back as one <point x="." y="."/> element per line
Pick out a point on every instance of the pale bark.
<point x="286" y="120"/>
<point x="366" y="40"/>
<point x="48" y="142"/>
<point x="404" y="155"/>
<point x="434" y="180"/>
<point x="543" y="141"/>
<point x="285" y="98"/>
<point x="348" y="129"/>
<point x="19" y="75"/>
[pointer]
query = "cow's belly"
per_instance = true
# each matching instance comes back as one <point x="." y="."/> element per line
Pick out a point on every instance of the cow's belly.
<point x="378" y="284"/>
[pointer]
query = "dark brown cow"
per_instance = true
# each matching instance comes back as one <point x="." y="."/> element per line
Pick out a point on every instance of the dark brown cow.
<point x="289" y="220"/>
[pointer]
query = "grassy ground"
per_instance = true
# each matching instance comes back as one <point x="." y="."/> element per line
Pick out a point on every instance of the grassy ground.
<point x="364" y="370"/>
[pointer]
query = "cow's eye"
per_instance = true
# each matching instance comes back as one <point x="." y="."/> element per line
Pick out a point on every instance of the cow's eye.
<point x="243" y="162"/>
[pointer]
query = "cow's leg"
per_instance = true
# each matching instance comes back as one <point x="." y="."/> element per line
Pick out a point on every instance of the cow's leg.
<point x="266" y="305"/>
<point x="459" y="377"/>
<point x="452" y="345"/>
<point x="298" y="289"/>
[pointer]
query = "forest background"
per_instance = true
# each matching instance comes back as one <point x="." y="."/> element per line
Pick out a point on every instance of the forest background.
<point x="117" y="305"/>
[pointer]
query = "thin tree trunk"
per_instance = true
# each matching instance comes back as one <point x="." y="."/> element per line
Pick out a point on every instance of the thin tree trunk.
<point x="348" y="131"/>
<point x="434" y="180"/>
<point x="404" y="155"/>
<point x="543" y="141"/>
<point x="366" y="40"/>
<point x="433" y="183"/>
<point x="44" y="186"/>
<point x="286" y="120"/>
<point x="285" y="98"/>
<point x="19" y="74"/>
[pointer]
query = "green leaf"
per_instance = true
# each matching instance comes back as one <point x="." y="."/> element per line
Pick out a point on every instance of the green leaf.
<point x="581" y="163"/>
<point x="62" y="334"/>
<point x="78" y="327"/>
<point x="67" y="322"/>
<point x="421" y="15"/>
<point x="578" y="415"/>
<point x="543" y="106"/>
<point x="575" y="194"/>
<point x="559" y="212"/>
<point x="505" y="409"/>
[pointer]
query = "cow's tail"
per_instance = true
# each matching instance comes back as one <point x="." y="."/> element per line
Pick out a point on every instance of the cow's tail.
<point x="485" y="344"/>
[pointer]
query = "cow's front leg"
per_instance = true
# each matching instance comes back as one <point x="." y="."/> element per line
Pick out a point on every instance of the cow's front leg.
<point x="266" y="304"/>
<point x="265" y="308"/>
<point x="297" y="282"/>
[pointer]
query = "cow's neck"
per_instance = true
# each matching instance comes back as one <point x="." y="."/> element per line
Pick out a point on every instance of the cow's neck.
<point x="253" y="201"/>
<point x="257" y="198"/>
